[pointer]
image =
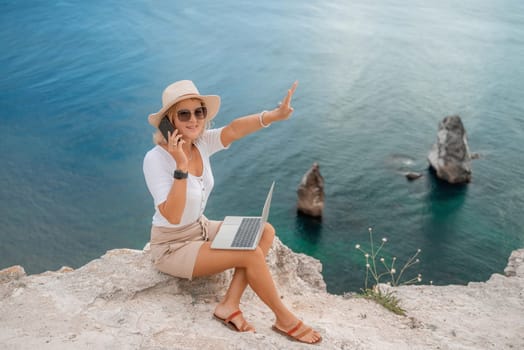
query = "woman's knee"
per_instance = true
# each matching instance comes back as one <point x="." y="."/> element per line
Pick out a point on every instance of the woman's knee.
<point x="268" y="235"/>
<point x="254" y="257"/>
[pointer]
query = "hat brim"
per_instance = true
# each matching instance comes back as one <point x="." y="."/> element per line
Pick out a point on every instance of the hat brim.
<point x="212" y="103"/>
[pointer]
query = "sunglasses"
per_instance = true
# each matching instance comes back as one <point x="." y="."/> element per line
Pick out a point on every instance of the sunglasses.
<point x="184" y="115"/>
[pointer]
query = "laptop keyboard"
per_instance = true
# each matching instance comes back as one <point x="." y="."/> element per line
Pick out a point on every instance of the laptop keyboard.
<point x="247" y="232"/>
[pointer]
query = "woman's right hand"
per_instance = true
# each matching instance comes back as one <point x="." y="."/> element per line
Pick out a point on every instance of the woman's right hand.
<point x="174" y="147"/>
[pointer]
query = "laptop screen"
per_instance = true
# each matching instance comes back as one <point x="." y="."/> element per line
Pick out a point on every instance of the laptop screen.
<point x="265" y="211"/>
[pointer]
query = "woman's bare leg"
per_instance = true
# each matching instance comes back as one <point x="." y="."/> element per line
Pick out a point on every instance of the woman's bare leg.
<point x="212" y="261"/>
<point x="239" y="281"/>
<point x="231" y="301"/>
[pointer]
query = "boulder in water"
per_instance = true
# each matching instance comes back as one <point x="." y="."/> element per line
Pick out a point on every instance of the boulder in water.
<point x="449" y="156"/>
<point x="311" y="192"/>
<point x="413" y="175"/>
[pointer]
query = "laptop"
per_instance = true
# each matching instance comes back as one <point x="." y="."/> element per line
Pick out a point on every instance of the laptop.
<point x="242" y="232"/>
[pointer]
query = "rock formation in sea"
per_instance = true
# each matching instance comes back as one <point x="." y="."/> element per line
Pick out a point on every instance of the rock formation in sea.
<point x="120" y="302"/>
<point x="449" y="156"/>
<point x="310" y="192"/>
<point x="413" y="175"/>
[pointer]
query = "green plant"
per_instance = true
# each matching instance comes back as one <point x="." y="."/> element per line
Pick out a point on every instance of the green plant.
<point x="377" y="271"/>
<point x="386" y="299"/>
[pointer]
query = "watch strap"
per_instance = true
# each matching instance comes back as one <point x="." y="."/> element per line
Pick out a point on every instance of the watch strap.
<point x="180" y="175"/>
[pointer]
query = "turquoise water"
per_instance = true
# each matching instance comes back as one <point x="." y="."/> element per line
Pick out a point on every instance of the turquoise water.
<point x="79" y="79"/>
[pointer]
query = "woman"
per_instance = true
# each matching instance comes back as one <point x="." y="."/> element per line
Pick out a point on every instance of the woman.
<point x="178" y="175"/>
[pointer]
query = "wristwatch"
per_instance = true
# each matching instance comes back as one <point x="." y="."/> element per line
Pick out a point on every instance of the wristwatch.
<point x="180" y="175"/>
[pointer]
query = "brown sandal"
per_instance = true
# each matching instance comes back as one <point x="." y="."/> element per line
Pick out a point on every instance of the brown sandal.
<point x="297" y="337"/>
<point x="245" y="327"/>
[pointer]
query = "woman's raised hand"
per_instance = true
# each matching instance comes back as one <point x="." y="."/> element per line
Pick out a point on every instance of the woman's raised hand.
<point x="284" y="109"/>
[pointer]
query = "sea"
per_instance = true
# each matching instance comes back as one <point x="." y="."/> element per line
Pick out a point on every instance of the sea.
<point x="79" y="78"/>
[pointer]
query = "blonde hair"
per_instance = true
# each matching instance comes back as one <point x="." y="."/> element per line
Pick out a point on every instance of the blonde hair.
<point x="159" y="139"/>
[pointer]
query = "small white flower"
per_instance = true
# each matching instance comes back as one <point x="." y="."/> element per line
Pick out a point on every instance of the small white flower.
<point x="394" y="258"/>
<point x="418" y="250"/>
<point x="367" y="265"/>
<point x="419" y="278"/>
<point x="393" y="271"/>
<point x="357" y="246"/>
<point x="417" y="260"/>
<point x="384" y="239"/>
<point x="366" y="255"/>
<point x="382" y="259"/>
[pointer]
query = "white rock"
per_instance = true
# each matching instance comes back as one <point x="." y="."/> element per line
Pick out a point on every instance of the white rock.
<point x="120" y="302"/>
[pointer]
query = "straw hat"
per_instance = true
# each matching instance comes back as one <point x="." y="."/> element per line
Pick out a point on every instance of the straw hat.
<point x="182" y="90"/>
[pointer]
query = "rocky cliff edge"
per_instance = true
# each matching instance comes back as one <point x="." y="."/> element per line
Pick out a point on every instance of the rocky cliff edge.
<point x="120" y="302"/>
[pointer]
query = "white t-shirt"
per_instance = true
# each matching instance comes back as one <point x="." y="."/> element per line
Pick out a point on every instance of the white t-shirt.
<point x="159" y="166"/>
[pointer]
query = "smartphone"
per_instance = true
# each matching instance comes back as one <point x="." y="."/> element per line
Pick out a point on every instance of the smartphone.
<point x="166" y="127"/>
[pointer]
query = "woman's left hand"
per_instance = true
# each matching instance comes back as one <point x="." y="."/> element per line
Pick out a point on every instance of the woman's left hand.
<point x="284" y="109"/>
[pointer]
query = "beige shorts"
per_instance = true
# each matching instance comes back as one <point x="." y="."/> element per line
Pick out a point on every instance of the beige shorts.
<point x="174" y="250"/>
